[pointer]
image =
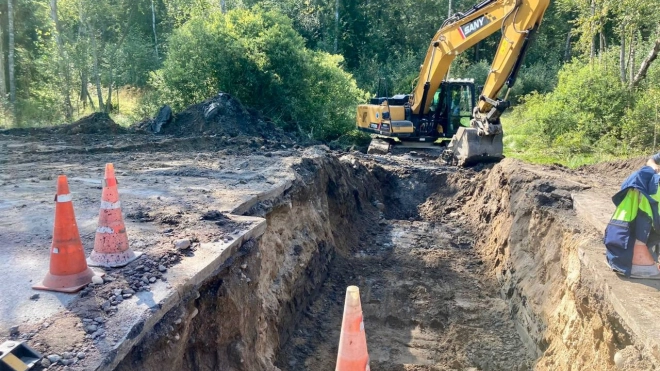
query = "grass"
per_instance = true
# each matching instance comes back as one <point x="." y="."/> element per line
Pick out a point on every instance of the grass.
<point x="521" y="142"/>
<point x="36" y="115"/>
<point x="570" y="161"/>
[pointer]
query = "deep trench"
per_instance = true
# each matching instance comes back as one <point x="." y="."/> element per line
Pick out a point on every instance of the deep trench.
<point x="432" y="300"/>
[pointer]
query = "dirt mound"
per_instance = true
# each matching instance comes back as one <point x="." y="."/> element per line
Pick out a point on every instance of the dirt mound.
<point x="219" y="115"/>
<point x="619" y="169"/>
<point x="96" y="123"/>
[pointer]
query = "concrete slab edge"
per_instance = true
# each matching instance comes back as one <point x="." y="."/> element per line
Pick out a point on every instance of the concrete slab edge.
<point x="147" y="321"/>
<point x="264" y="196"/>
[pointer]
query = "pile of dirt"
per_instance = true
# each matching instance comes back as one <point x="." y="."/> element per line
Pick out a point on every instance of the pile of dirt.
<point x="619" y="169"/>
<point x="96" y="123"/>
<point x="219" y="115"/>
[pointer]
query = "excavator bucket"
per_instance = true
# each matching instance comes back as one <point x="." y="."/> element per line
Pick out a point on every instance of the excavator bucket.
<point x="467" y="148"/>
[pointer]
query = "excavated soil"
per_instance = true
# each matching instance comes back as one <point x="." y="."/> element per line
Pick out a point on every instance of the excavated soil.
<point x="219" y="115"/>
<point x="459" y="269"/>
<point x="96" y="123"/>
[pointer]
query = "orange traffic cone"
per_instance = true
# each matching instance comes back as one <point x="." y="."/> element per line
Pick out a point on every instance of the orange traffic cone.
<point x="68" y="269"/>
<point x="352" y="354"/>
<point x="111" y="242"/>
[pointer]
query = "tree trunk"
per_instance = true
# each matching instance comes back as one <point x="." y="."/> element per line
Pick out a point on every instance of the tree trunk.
<point x="153" y="22"/>
<point x="336" y="26"/>
<point x="3" y="70"/>
<point x="12" y="76"/>
<point x="449" y="9"/>
<point x="113" y="56"/>
<point x="567" y="46"/>
<point x="592" y="54"/>
<point x="108" y="102"/>
<point x="622" y="54"/>
<point x="223" y="6"/>
<point x="64" y="69"/>
<point x="646" y="63"/>
<point x="84" y="80"/>
<point x="97" y="75"/>
<point x="631" y="58"/>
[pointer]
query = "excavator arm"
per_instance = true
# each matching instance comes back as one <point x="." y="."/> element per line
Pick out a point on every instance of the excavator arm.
<point x="418" y="118"/>
<point x="517" y="20"/>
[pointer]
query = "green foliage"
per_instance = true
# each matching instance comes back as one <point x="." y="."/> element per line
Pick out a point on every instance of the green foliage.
<point x="590" y="113"/>
<point x="258" y="57"/>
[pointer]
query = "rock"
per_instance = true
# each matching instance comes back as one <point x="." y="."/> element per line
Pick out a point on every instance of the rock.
<point x="91" y="328"/>
<point x="81" y="355"/>
<point x="108" y="279"/>
<point x="243" y="266"/>
<point x="126" y="296"/>
<point x="97" y="280"/>
<point x="54" y="358"/>
<point x="117" y="292"/>
<point x="163" y="117"/>
<point x="182" y="244"/>
<point x="619" y="360"/>
<point x="152" y="279"/>
<point x="162" y="268"/>
<point x="106" y="305"/>
<point x="212" y="110"/>
<point x="99" y="319"/>
<point x="66" y="362"/>
<point x="145" y="280"/>
<point x="13" y="331"/>
<point x="128" y="291"/>
<point x="67" y="355"/>
<point x="34" y="297"/>
<point x="45" y="363"/>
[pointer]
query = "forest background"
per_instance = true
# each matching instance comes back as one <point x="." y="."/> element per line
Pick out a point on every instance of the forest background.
<point x="589" y="89"/>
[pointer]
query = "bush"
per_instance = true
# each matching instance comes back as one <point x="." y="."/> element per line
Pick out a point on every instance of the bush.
<point x="587" y="104"/>
<point x="258" y="57"/>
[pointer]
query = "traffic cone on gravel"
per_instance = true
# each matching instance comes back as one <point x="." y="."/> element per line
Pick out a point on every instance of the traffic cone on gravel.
<point x="68" y="270"/>
<point x="352" y="354"/>
<point x="111" y="242"/>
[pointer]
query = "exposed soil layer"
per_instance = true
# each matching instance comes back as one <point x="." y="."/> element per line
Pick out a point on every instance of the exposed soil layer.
<point x="459" y="269"/>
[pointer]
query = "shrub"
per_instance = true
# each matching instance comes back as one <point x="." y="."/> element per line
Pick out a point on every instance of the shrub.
<point x="259" y="57"/>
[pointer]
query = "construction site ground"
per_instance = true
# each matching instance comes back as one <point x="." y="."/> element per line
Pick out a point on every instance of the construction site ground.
<point x="496" y="267"/>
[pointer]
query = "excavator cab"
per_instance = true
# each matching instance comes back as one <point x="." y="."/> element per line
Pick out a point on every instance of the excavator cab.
<point x="453" y="104"/>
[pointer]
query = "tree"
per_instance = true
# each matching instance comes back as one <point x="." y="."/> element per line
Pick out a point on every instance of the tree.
<point x="11" y="55"/>
<point x="646" y="63"/>
<point x="64" y="69"/>
<point x="258" y="57"/>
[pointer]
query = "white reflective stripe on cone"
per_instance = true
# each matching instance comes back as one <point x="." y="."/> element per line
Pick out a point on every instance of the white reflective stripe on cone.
<point x="63" y="198"/>
<point x="104" y="230"/>
<point x="110" y="205"/>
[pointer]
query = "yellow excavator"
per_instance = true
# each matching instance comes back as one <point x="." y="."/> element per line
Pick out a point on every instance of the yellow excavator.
<point x="440" y="108"/>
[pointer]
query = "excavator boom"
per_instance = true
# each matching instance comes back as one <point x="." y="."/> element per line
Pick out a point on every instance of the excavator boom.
<point x="418" y="118"/>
